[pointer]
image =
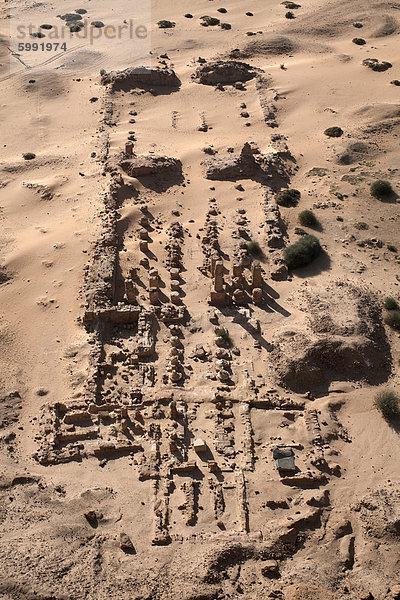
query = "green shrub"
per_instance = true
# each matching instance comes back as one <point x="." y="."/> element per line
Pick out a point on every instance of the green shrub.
<point x="390" y="303"/>
<point x="392" y="318"/>
<point x="189" y="16"/>
<point x="249" y="14"/>
<point x="102" y="72"/>
<point x="253" y="248"/>
<point x="29" y="156"/>
<point x="308" y="219"/>
<point x="395" y="82"/>
<point x="387" y="402"/>
<point x="359" y="41"/>
<point x="222" y="10"/>
<point x="333" y="132"/>
<point x="288" y="198"/>
<point x="381" y="189"/>
<point x="392" y="248"/>
<point x="290" y="15"/>
<point x="302" y="252"/>
<point x="226" y="26"/>
<point x="97" y="24"/>
<point x="222" y="332"/>
<point x="164" y="24"/>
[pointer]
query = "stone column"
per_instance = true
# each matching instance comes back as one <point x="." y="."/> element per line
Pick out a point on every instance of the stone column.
<point x="129" y="148"/>
<point x="219" y="276"/>
<point x="256" y="276"/>
<point x="130" y="291"/>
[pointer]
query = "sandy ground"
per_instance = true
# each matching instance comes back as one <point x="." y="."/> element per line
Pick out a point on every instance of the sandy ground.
<point x="50" y="210"/>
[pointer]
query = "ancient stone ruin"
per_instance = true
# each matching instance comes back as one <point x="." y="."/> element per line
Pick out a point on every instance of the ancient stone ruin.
<point x="224" y="72"/>
<point x="180" y="380"/>
<point x="140" y="77"/>
<point x="250" y="165"/>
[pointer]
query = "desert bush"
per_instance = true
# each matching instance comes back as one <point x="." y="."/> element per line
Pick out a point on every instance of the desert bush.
<point x="289" y="15"/>
<point x="29" y="156"/>
<point x="375" y="65"/>
<point x="249" y="14"/>
<point x="189" y="16"/>
<point x="209" y="150"/>
<point x="333" y="132"/>
<point x="387" y="402"/>
<point x="165" y="24"/>
<point x="361" y="226"/>
<point x="307" y="218"/>
<point x="209" y="21"/>
<point x="222" y="10"/>
<point x="288" y="198"/>
<point x="395" y="82"/>
<point x="291" y="5"/>
<point x="226" y="26"/>
<point x="358" y="25"/>
<point x="75" y="27"/>
<point x="70" y="17"/>
<point x="46" y="26"/>
<point x="381" y="189"/>
<point x="253" y="248"/>
<point x="392" y="248"/>
<point x="392" y="318"/>
<point x="302" y="252"/>
<point x="222" y="332"/>
<point x="390" y="303"/>
<point x="97" y="24"/>
<point x="359" y="41"/>
<point x="339" y="218"/>
<point x="102" y="72"/>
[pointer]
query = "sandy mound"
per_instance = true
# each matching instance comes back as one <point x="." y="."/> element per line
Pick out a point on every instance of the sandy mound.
<point x="385" y="25"/>
<point x="378" y="112"/>
<point x="337" y="19"/>
<point x="379" y="513"/>
<point x="342" y="339"/>
<point x="353" y="152"/>
<point x="269" y="45"/>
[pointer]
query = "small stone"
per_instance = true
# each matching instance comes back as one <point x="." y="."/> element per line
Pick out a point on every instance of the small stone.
<point x="199" y="445"/>
<point x="125" y="543"/>
<point x="270" y="569"/>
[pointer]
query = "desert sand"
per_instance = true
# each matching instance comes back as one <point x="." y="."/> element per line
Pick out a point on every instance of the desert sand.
<point x="184" y="417"/>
